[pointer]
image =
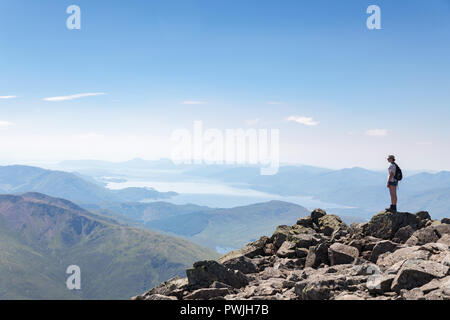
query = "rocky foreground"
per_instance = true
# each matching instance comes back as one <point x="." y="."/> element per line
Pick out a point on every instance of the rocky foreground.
<point x="395" y="256"/>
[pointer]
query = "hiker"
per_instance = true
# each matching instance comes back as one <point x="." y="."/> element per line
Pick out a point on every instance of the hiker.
<point x="395" y="175"/>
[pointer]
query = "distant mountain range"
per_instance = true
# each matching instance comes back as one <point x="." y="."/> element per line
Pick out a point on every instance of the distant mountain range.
<point x="356" y="187"/>
<point x="362" y="189"/>
<point x="41" y="236"/>
<point x="71" y="186"/>
<point x="220" y="229"/>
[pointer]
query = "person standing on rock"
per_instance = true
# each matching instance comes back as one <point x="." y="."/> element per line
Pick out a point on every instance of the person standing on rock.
<point x="395" y="175"/>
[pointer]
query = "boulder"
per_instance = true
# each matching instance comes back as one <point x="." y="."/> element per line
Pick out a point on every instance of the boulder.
<point x="330" y="223"/>
<point x="157" y="296"/>
<point x="272" y="272"/>
<point x="436" y="284"/>
<point x="305" y="222"/>
<point x="365" y="269"/>
<point x="207" y="293"/>
<point x="382" y="247"/>
<point x="168" y="288"/>
<point x="301" y="252"/>
<point x="317" y="255"/>
<point x="348" y="296"/>
<point x="414" y="294"/>
<point x="385" y="224"/>
<point x="445" y="239"/>
<point x="423" y="215"/>
<point x="251" y="250"/>
<point x="390" y="259"/>
<point x="303" y="240"/>
<point x="403" y="234"/>
<point x="220" y="285"/>
<point x="324" y="286"/>
<point x="280" y="235"/>
<point x="287" y="250"/>
<point x="316" y="215"/>
<point x="204" y="273"/>
<point x="380" y="283"/>
<point x="445" y="221"/>
<point x="243" y="264"/>
<point x="357" y="229"/>
<point x="339" y="253"/>
<point x="269" y="249"/>
<point x="416" y="273"/>
<point x="339" y="234"/>
<point x="442" y="229"/>
<point x="423" y="236"/>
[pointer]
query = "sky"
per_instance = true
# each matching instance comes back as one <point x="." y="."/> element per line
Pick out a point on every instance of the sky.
<point x="340" y="95"/>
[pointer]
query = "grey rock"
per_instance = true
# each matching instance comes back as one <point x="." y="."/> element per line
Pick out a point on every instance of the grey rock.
<point x="382" y="247"/>
<point x="317" y="214"/>
<point x="204" y="273"/>
<point x="243" y="264"/>
<point x="423" y="215"/>
<point x="423" y="236"/>
<point x="389" y="259"/>
<point x="416" y="273"/>
<point x="207" y="293"/>
<point x="380" y="284"/>
<point x="305" y="222"/>
<point x="301" y="252"/>
<point x="317" y="255"/>
<point x="445" y="239"/>
<point x="303" y="240"/>
<point x="157" y="296"/>
<point x="329" y="224"/>
<point x="280" y="235"/>
<point x="339" y="253"/>
<point x="251" y="250"/>
<point x="442" y="229"/>
<point x="386" y="224"/>
<point x="403" y="234"/>
<point x="287" y="250"/>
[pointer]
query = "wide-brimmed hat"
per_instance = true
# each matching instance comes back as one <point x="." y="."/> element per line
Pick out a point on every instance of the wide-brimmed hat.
<point x="391" y="156"/>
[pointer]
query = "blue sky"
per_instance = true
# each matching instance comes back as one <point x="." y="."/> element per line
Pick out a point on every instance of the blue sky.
<point x="368" y="92"/>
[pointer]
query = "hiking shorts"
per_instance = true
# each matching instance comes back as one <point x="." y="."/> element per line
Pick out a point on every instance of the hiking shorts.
<point x="393" y="183"/>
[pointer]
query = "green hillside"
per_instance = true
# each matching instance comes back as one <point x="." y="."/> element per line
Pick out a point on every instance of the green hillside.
<point x="41" y="236"/>
<point x="225" y="228"/>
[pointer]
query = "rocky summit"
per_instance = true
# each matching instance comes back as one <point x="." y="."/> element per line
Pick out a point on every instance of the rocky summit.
<point x="395" y="256"/>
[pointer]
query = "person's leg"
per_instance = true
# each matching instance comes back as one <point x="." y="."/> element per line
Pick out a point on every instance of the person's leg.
<point x="394" y="202"/>
<point x="393" y="192"/>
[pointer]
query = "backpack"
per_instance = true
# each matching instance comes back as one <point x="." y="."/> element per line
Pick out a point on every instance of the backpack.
<point x="398" y="173"/>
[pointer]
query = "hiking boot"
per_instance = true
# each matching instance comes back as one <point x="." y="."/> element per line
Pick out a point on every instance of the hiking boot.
<point x="392" y="209"/>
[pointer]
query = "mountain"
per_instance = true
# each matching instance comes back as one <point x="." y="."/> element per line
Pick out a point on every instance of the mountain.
<point x="216" y="228"/>
<point x="360" y="190"/>
<point x="394" y="256"/>
<point x="355" y="187"/>
<point x="40" y="236"/>
<point x="20" y="179"/>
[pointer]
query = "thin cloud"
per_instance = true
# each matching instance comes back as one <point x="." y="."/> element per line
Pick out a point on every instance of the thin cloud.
<point x="252" y="122"/>
<point x="74" y="96"/>
<point x="307" y="121"/>
<point x="6" y="124"/>
<point x="193" y="102"/>
<point x="89" y="135"/>
<point x="377" y="132"/>
<point x="275" y="102"/>
<point x="8" y="97"/>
